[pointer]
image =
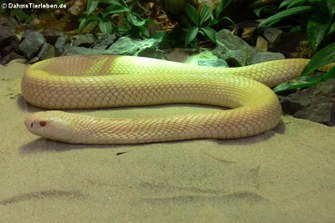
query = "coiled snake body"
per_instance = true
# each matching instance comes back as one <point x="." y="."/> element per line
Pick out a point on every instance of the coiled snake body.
<point x="77" y="82"/>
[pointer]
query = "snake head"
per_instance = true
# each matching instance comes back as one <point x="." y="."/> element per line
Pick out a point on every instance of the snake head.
<point x="51" y="124"/>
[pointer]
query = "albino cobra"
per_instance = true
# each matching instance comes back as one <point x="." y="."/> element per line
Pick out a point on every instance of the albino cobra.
<point x="100" y="81"/>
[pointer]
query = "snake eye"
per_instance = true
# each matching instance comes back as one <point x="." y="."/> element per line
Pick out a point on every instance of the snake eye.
<point x="43" y="123"/>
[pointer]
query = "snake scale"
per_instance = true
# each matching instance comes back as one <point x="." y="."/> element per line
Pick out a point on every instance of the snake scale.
<point x="101" y="81"/>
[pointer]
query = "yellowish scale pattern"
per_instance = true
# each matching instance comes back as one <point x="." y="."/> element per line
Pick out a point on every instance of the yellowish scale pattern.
<point x="101" y="81"/>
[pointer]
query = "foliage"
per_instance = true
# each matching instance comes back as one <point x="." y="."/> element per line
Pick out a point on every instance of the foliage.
<point x="317" y="18"/>
<point x="267" y="9"/>
<point x="131" y="22"/>
<point x="320" y="59"/>
<point x="19" y="14"/>
<point x="202" y="21"/>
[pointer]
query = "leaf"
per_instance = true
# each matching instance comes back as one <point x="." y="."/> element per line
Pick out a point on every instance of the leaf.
<point x="213" y="22"/>
<point x="114" y="2"/>
<point x="192" y="13"/>
<point x="86" y="21"/>
<point x="332" y="28"/>
<point x="299" y="82"/>
<point x="222" y="5"/>
<point x="329" y="74"/>
<point x="321" y="58"/>
<point x="318" y="26"/>
<point x="267" y="9"/>
<point x="292" y="3"/>
<point x="135" y="19"/>
<point x="21" y="16"/>
<point x="296" y="29"/>
<point x="305" y="81"/>
<point x="285" y="3"/>
<point x="109" y="2"/>
<point x="144" y="30"/>
<point x="122" y="2"/>
<point x="205" y="14"/>
<point x="210" y="33"/>
<point x="286" y="13"/>
<point x="91" y="6"/>
<point x="105" y="26"/>
<point x="331" y="7"/>
<point x="230" y="20"/>
<point x="258" y="11"/>
<point x="190" y="35"/>
<point x="114" y="9"/>
<point x="123" y="29"/>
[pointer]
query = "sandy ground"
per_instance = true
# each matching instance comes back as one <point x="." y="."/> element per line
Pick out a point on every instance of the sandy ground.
<point x="283" y="175"/>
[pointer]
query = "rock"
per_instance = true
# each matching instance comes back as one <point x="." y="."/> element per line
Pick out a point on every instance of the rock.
<point x="33" y="60"/>
<point x="3" y="21"/>
<point x="8" y="41"/>
<point x="74" y="50"/>
<point x="105" y="41"/>
<point x="51" y="35"/>
<point x="47" y="51"/>
<point x="152" y="53"/>
<point x="27" y="33"/>
<point x="316" y="103"/>
<point x="31" y="44"/>
<point x="85" y="40"/>
<point x="237" y="52"/>
<point x="146" y="44"/>
<point x="124" y="45"/>
<point x="266" y="56"/>
<point x="213" y="63"/>
<point x="262" y="44"/>
<point x="127" y="46"/>
<point x="6" y="36"/>
<point x="8" y="23"/>
<point x="272" y="35"/>
<point x="178" y="54"/>
<point x="60" y="43"/>
<point x="13" y="46"/>
<point x="9" y="57"/>
<point x="206" y="58"/>
<point x="233" y="49"/>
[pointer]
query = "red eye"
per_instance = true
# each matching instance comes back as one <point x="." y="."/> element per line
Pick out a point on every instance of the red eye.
<point x="43" y="123"/>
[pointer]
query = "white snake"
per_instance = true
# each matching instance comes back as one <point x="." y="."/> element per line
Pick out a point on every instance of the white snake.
<point x="77" y="82"/>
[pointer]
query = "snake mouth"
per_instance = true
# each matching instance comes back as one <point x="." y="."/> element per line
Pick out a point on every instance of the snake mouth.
<point x="28" y="122"/>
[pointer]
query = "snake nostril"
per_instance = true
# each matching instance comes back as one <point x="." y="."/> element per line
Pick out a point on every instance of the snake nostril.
<point x="31" y="125"/>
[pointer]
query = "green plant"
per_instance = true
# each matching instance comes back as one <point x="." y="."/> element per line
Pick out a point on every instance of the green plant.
<point x="268" y="9"/>
<point x="308" y="78"/>
<point x="130" y="21"/>
<point x="318" y="21"/>
<point x="316" y="18"/>
<point x="20" y="15"/>
<point x="202" y="21"/>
